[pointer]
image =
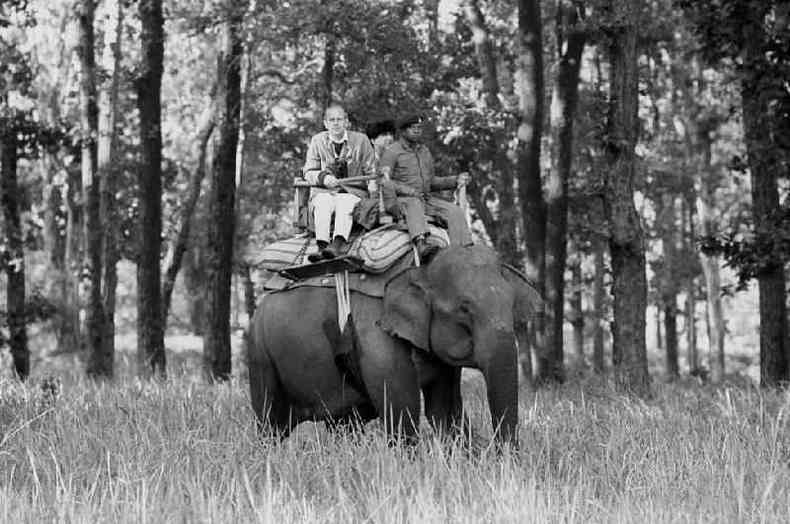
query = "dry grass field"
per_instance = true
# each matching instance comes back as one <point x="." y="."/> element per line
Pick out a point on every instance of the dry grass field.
<point x="182" y="451"/>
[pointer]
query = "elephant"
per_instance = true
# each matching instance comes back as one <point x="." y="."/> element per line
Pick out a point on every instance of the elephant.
<point x="465" y="308"/>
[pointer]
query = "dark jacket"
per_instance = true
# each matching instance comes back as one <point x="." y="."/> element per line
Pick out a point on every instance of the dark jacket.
<point x="410" y="170"/>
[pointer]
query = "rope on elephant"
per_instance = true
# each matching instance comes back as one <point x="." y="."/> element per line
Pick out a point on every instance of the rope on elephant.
<point x="343" y="299"/>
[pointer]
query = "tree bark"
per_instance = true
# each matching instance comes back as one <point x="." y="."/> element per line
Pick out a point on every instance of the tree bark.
<point x="216" y="341"/>
<point x="533" y="207"/>
<point x="577" y="313"/>
<point x="150" y="329"/>
<point x="691" y="290"/>
<point x="194" y="282"/>
<point x="764" y="165"/>
<point x="180" y="244"/>
<point x="99" y="361"/>
<point x="710" y="263"/>
<point x="71" y="327"/>
<point x="669" y="286"/>
<point x="598" y="306"/>
<point x="108" y="158"/>
<point x="563" y="112"/>
<point x="14" y="257"/>
<point x="626" y="242"/>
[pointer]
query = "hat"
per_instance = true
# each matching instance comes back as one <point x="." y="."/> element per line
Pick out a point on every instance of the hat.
<point x="408" y="120"/>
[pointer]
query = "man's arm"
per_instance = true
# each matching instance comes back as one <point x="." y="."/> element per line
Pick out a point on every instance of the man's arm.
<point x="440" y="182"/>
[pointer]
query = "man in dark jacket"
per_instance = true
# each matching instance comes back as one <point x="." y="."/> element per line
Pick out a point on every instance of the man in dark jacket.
<point x="407" y="169"/>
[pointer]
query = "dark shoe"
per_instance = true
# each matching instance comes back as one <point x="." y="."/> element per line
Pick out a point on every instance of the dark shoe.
<point x="426" y="251"/>
<point x="318" y="257"/>
<point x="337" y="248"/>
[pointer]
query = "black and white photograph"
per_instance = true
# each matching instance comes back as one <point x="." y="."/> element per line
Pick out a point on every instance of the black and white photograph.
<point x="394" y="261"/>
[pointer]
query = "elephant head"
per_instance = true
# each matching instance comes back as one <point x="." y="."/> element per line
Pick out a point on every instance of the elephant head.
<point x="466" y="307"/>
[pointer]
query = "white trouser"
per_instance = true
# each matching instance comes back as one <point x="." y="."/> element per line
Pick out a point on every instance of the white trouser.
<point x="342" y="205"/>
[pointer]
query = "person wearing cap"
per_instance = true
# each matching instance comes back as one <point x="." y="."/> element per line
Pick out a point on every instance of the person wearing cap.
<point x="408" y="166"/>
<point x="333" y="155"/>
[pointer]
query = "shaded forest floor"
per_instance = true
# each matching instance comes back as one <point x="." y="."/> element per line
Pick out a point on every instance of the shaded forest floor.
<point x="184" y="451"/>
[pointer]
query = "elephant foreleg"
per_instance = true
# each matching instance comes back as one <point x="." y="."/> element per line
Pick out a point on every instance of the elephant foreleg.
<point x="443" y="401"/>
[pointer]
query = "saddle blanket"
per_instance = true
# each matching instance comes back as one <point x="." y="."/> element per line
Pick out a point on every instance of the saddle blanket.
<point x="379" y="248"/>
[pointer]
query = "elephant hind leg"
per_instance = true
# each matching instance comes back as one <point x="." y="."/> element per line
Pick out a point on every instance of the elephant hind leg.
<point x="272" y="408"/>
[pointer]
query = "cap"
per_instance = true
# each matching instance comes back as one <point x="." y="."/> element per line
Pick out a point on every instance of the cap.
<point x="408" y="120"/>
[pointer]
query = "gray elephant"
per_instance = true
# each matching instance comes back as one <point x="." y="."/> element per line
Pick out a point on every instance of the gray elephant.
<point x="463" y="309"/>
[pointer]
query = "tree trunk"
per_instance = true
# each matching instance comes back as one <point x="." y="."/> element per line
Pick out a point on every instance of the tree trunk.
<point x="659" y="340"/>
<point x="691" y="293"/>
<point x="563" y="112"/>
<point x="765" y="163"/>
<point x="669" y="286"/>
<point x="108" y="158"/>
<point x="598" y="306"/>
<point x="55" y="246"/>
<point x="577" y="313"/>
<point x="71" y="327"/>
<point x="14" y="256"/>
<point x="100" y="363"/>
<point x="216" y="341"/>
<point x="180" y="244"/>
<point x="194" y="283"/>
<point x="710" y="264"/>
<point x="626" y="243"/>
<point x="533" y="207"/>
<point x="150" y="329"/>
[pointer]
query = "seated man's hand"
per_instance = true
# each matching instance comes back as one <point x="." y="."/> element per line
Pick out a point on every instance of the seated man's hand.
<point x="330" y="181"/>
<point x="463" y="179"/>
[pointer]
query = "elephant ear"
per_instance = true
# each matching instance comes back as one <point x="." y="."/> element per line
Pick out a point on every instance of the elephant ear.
<point x="407" y="308"/>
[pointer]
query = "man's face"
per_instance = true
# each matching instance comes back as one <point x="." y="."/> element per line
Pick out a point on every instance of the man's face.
<point x="413" y="132"/>
<point x="336" y="122"/>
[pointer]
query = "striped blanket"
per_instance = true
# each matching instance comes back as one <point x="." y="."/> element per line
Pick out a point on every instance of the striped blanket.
<point x="379" y="248"/>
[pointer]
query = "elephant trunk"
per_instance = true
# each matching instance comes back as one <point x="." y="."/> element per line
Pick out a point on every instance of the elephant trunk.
<point x="500" y="369"/>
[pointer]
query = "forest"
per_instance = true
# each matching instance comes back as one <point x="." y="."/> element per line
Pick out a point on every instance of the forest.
<point x="631" y="158"/>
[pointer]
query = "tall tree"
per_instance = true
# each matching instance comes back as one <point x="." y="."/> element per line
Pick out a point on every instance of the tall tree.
<point x="754" y="35"/>
<point x="180" y="244"/>
<point x="529" y="71"/>
<point x="99" y="362"/>
<point x="667" y="223"/>
<point x="710" y="261"/>
<point x="758" y="87"/>
<point x="108" y="158"/>
<point x="570" y="44"/>
<point x="626" y="242"/>
<point x="219" y="260"/>
<point x="13" y="256"/>
<point x="150" y="328"/>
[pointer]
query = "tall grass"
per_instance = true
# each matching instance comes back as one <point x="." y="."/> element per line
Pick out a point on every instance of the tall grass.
<point x="181" y="451"/>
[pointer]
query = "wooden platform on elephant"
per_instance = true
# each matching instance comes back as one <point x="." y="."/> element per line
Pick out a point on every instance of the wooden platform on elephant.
<point x="325" y="267"/>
